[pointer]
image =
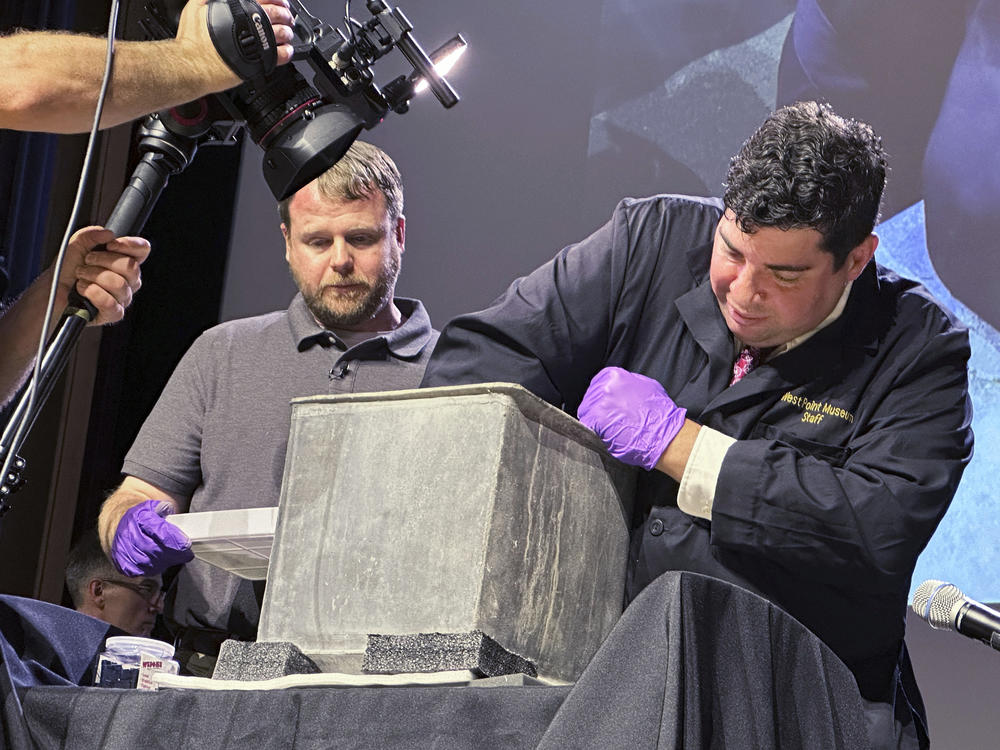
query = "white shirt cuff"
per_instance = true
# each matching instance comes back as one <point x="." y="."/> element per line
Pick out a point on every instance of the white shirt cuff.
<point x="701" y="474"/>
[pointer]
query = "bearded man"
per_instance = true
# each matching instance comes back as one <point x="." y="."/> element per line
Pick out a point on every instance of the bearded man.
<point x="216" y="438"/>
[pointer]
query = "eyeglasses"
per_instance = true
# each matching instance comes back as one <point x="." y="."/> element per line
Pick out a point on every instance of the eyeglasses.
<point x="151" y="592"/>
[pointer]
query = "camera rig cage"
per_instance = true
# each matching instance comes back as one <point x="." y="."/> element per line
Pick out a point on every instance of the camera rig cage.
<point x="302" y="128"/>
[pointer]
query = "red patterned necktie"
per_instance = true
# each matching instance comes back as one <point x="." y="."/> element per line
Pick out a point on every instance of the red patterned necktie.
<point x="749" y="358"/>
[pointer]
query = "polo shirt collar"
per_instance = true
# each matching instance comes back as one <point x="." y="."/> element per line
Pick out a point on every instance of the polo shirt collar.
<point x="406" y="341"/>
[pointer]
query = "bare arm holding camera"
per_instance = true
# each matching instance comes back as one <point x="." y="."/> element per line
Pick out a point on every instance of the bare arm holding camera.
<point x="51" y="84"/>
<point x="52" y="79"/>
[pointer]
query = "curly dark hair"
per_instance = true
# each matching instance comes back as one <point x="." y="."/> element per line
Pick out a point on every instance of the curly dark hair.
<point x="807" y="167"/>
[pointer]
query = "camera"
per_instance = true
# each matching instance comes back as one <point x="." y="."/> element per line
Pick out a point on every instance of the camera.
<point x="304" y="128"/>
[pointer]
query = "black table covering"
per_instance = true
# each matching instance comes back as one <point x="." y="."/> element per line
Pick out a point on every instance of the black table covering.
<point x="693" y="663"/>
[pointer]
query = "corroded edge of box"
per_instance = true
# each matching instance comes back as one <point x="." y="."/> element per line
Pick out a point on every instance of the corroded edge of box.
<point x="527" y="402"/>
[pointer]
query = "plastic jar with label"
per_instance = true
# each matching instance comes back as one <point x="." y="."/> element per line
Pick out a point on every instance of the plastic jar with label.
<point x="130" y="661"/>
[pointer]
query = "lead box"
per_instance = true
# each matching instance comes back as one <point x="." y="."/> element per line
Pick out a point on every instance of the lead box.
<point x="447" y="510"/>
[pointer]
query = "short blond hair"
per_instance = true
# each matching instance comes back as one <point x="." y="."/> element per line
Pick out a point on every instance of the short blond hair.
<point x="360" y="173"/>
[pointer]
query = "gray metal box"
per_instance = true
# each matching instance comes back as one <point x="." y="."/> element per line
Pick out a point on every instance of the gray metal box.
<point x="447" y="510"/>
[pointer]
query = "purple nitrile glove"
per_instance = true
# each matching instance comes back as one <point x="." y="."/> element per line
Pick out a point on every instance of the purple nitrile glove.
<point x="145" y="544"/>
<point x="632" y="414"/>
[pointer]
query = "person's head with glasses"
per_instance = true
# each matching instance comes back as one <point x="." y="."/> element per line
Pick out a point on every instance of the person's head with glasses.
<point x="99" y="590"/>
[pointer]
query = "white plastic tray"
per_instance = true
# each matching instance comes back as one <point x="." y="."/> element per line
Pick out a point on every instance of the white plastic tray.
<point x="235" y="540"/>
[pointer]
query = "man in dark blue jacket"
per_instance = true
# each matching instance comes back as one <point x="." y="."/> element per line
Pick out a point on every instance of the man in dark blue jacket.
<point x="801" y="411"/>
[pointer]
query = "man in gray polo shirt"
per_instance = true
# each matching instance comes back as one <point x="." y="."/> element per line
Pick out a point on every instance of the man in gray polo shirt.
<point x="216" y="438"/>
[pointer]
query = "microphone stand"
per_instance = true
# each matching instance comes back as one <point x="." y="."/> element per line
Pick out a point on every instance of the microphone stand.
<point x="164" y="152"/>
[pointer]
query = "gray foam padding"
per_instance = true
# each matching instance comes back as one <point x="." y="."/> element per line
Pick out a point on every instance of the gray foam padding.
<point x="439" y="652"/>
<point x="242" y="660"/>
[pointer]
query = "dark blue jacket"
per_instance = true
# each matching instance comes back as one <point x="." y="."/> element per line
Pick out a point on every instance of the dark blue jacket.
<point x="850" y="446"/>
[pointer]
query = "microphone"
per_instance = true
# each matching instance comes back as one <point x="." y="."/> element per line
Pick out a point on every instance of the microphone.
<point x="944" y="606"/>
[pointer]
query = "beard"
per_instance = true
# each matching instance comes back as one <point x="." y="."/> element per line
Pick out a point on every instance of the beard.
<point x="344" y="311"/>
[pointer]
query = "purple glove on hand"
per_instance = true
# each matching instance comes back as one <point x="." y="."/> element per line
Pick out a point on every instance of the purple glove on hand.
<point x="145" y="544"/>
<point x="632" y="414"/>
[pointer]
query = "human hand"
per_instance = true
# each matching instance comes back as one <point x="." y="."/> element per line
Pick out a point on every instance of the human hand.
<point x="107" y="277"/>
<point x="145" y="544"/>
<point x="632" y="415"/>
<point x="192" y="30"/>
<point x="281" y="22"/>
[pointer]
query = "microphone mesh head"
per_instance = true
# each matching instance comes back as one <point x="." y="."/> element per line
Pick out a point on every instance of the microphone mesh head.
<point x="935" y="602"/>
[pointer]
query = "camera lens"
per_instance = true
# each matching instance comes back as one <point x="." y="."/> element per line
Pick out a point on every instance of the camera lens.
<point x="269" y="103"/>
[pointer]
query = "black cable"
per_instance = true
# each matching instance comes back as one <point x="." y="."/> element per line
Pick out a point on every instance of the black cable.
<point x="61" y="255"/>
<point x="351" y="24"/>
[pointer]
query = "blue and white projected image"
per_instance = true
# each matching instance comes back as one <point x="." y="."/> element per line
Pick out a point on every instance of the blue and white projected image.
<point x="963" y="550"/>
<point x="685" y="98"/>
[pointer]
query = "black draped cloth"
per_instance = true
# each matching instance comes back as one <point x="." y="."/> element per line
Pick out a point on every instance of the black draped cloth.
<point x="693" y="663"/>
<point x="696" y="663"/>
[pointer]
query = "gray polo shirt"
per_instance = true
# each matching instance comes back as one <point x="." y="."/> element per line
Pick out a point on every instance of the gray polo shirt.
<point x="219" y="430"/>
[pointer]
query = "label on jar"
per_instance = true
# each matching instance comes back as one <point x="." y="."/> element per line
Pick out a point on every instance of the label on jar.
<point x="149" y="665"/>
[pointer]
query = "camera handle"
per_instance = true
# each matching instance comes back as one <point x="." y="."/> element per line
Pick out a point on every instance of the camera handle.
<point x="164" y="153"/>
